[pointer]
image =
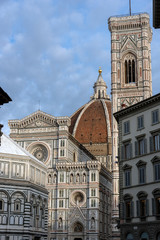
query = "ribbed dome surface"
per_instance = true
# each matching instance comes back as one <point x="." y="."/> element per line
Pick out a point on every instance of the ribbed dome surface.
<point x="91" y="124"/>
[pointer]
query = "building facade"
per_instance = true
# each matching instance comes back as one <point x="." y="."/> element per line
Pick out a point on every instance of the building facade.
<point x="23" y="196"/>
<point x="131" y="79"/>
<point x="139" y="165"/>
<point x="79" y="186"/>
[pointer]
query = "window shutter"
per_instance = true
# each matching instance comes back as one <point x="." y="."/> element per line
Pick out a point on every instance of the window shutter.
<point x="132" y="209"/>
<point x="151" y="144"/>
<point x="147" y="207"/>
<point x="122" y="152"/>
<point x="122" y="210"/>
<point x="130" y="154"/>
<point x="138" y="208"/>
<point x="145" y="146"/>
<point x="153" y="207"/>
<point x="136" y="148"/>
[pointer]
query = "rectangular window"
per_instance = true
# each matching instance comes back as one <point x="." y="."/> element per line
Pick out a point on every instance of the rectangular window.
<point x="62" y="151"/>
<point x="62" y="143"/>
<point x="61" y="177"/>
<point x="93" y="177"/>
<point x="156" y="141"/>
<point x="141" y="146"/>
<point x="61" y="205"/>
<point x="128" y="209"/>
<point x="127" y="178"/>
<point x="93" y="203"/>
<point x="142" y="208"/>
<point x="126" y="127"/>
<point x="158" y="206"/>
<point x="127" y="151"/>
<point x="155" y="116"/>
<point x="140" y="122"/>
<point x="61" y="193"/>
<point x="157" y="171"/>
<point x="141" y="175"/>
<point x="93" y="192"/>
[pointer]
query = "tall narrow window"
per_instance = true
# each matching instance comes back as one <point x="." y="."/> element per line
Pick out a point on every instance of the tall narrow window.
<point x="156" y="203"/>
<point x="127" y="178"/>
<point x="142" y="171"/>
<point x="1" y="205"/>
<point x="157" y="171"/>
<point x="142" y="205"/>
<point x="130" y="71"/>
<point x="155" y="116"/>
<point x="126" y="72"/>
<point x="93" y="177"/>
<point x="133" y="71"/>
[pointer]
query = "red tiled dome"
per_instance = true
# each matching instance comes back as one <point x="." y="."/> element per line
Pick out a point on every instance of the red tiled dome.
<point x="92" y="122"/>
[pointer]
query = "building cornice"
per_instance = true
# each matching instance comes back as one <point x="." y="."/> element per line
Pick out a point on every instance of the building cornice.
<point x="137" y="106"/>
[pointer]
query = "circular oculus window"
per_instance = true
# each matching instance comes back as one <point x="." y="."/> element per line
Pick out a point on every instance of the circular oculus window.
<point x="40" y="152"/>
<point x="78" y="198"/>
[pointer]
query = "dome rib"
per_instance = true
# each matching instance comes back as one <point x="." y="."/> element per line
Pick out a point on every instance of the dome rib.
<point x="92" y="125"/>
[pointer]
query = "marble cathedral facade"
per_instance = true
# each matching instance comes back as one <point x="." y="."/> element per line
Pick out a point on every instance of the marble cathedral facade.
<point x="79" y="186"/>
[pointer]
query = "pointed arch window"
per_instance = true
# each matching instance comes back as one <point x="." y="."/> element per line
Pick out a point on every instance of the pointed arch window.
<point x="130" y="69"/>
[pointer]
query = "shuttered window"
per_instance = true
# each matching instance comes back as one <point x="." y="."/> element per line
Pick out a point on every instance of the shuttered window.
<point x="142" y="208"/>
<point x="140" y="122"/>
<point x="126" y="127"/>
<point x="155" y="116"/>
<point x="142" y="175"/>
<point x="157" y="171"/>
<point x="127" y="177"/>
<point x="141" y="146"/>
<point x="155" y="142"/>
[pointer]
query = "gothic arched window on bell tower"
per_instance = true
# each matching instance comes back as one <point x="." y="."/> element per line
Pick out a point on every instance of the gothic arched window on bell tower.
<point x="129" y="69"/>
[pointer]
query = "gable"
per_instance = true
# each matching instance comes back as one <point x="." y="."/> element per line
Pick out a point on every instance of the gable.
<point x="128" y="45"/>
<point x="35" y="120"/>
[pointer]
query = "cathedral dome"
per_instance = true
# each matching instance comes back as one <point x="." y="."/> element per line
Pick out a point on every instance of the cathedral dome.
<point x="91" y="124"/>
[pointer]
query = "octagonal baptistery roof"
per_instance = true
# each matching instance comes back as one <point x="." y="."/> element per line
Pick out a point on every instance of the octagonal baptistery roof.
<point x="91" y="124"/>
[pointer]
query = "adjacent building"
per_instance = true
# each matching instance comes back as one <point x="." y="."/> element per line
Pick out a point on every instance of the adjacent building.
<point x="79" y="185"/>
<point x="139" y="169"/>
<point x="23" y="196"/>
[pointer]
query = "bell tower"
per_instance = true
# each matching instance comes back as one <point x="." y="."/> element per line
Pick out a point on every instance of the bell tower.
<point x="131" y="79"/>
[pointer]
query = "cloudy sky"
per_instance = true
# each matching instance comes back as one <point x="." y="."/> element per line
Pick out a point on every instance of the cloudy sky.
<point x="50" y="52"/>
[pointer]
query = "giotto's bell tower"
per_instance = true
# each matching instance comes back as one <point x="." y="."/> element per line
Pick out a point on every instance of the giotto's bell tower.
<point x="131" y="79"/>
<point x="130" y="59"/>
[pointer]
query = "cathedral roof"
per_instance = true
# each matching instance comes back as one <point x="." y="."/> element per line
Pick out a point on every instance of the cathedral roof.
<point x="92" y="122"/>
